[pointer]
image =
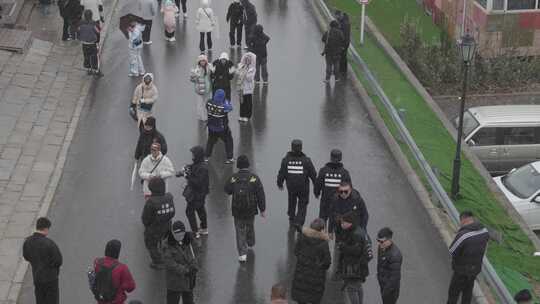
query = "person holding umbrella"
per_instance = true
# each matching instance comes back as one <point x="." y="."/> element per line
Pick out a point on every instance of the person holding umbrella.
<point x="134" y="33"/>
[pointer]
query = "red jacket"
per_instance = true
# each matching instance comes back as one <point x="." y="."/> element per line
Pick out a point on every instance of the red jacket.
<point x="122" y="280"/>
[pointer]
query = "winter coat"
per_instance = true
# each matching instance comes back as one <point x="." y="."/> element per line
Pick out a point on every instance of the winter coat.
<point x="164" y="169"/>
<point x="201" y="78"/>
<point x="246" y="74"/>
<point x="72" y="11"/>
<point x="135" y="37"/>
<point x="258" y="42"/>
<point x="222" y="73"/>
<point x="180" y="268"/>
<point x="147" y="92"/>
<point x="312" y="261"/>
<point x="235" y="13"/>
<point x="250" y="12"/>
<point x="96" y="6"/>
<point x="328" y="180"/>
<point x="339" y="207"/>
<point x="389" y="268"/>
<point x="354" y="254"/>
<point x="468" y="249"/>
<point x="334" y="43"/>
<point x="44" y="256"/>
<point x="157" y="214"/>
<point x="198" y="183"/>
<point x="205" y="20"/>
<point x="148" y="9"/>
<point x="169" y="10"/>
<point x="146" y="139"/>
<point x="218" y="109"/>
<point x="121" y="278"/>
<point x="296" y="169"/>
<point x="256" y="191"/>
<point x="345" y="26"/>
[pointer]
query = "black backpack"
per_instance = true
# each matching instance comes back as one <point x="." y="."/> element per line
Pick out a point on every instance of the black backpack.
<point x="103" y="290"/>
<point x="242" y="198"/>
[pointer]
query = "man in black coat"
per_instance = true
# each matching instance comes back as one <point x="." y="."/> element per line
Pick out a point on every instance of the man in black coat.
<point x="334" y="43"/>
<point x="235" y="17"/>
<point x="222" y="74"/>
<point x="46" y="259"/>
<point x="328" y="180"/>
<point x="296" y="169"/>
<point x="389" y="260"/>
<point x="257" y="45"/>
<point x="249" y="19"/>
<point x="156" y="217"/>
<point x="467" y="250"/>
<point x="248" y="198"/>
<point x="345" y="26"/>
<point x="196" y="190"/>
<point x="148" y="134"/>
<point x="347" y="200"/>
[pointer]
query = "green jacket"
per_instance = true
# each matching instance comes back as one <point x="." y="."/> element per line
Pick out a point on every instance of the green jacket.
<point x="180" y="268"/>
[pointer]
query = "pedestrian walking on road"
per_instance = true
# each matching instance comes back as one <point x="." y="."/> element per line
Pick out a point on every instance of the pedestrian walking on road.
<point x="353" y="255"/>
<point x="296" y="169"/>
<point x="312" y="261"/>
<point x="156" y="217"/>
<point x="389" y="260"/>
<point x="198" y="186"/>
<point x="235" y="17"/>
<point x="72" y="14"/>
<point x="144" y="98"/>
<point x="200" y="76"/>
<point x="62" y="8"/>
<point x="347" y="200"/>
<point x="257" y="45"/>
<point x="218" y="125"/>
<point x="148" y="9"/>
<point x="278" y="294"/>
<point x="345" y="26"/>
<point x="206" y="23"/>
<point x="45" y="258"/>
<point x="136" y="66"/>
<point x="246" y="85"/>
<point x="89" y="35"/>
<point x="180" y="265"/>
<point x="112" y="278"/>
<point x="523" y="297"/>
<point x="169" y="10"/>
<point x="334" y="43"/>
<point x="222" y="74"/>
<point x="155" y="165"/>
<point x="248" y="199"/>
<point x="467" y="250"/>
<point x="328" y="180"/>
<point x="184" y="8"/>
<point x="147" y="136"/>
<point x="249" y="20"/>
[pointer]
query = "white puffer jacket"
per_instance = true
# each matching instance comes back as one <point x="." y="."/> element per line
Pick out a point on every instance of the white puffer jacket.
<point x="205" y="19"/>
<point x="164" y="169"/>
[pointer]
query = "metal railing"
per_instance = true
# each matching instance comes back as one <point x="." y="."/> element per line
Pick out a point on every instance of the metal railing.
<point x="488" y="271"/>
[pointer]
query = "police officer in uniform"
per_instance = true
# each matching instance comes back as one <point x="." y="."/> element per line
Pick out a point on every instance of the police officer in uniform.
<point x="296" y="169"/>
<point x="329" y="178"/>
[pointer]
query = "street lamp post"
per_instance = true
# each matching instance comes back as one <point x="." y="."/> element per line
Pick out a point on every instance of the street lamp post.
<point x="468" y="48"/>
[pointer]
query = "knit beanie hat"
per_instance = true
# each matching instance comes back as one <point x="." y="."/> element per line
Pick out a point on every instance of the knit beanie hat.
<point x="242" y="162"/>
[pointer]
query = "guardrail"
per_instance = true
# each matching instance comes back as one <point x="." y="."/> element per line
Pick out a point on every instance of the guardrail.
<point x="488" y="271"/>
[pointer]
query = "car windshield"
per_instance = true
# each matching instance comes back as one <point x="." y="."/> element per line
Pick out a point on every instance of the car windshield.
<point x="469" y="123"/>
<point x="523" y="182"/>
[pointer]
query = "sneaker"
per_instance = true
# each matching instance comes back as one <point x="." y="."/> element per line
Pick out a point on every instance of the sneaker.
<point x="133" y="75"/>
<point x="177" y="15"/>
<point x="337" y="79"/>
<point x="157" y="266"/>
<point x="148" y="42"/>
<point x="209" y="50"/>
<point x="98" y="74"/>
<point x="232" y="46"/>
<point x="197" y="235"/>
<point x="229" y="161"/>
<point x="185" y="15"/>
<point x="326" y="81"/>
<point x="203" y="231"/>
<point x="172" y="39"/>
<point x="89" y="72"/>
<point x="240" y="118"/>
<point x="246" y="47"/>
<point x="242" y="258"/>
<point x="206" y="159"/>
<point x="266" y="82"/>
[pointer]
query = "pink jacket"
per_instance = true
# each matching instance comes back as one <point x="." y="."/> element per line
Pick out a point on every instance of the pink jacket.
<point x="169" y="18"/>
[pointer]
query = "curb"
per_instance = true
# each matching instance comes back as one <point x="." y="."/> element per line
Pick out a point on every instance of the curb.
<point x="22" y="268"/>
<point x="438" y="217"/>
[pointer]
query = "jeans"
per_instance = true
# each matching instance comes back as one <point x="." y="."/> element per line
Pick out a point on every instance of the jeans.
<point x="461" y="284"/>
<point x="190" y="214"/>
<point x="136" y="66"/>
<point x="302" y="200"/>
<point x="245" y="234"/>
<point x="235" y="29"/>
<point x="332" y="64"/>
<point x="246" y="106"/>
<point x="173" y="297"/>
<point x="261" y="67"/>
<point x="227" y="139"/>
<point x="152" y="243"/>
<point x="208" y="41"/>
<point x="46" y="293"/>
<point x="353" y="291"/>
<point x="147" y="30"/>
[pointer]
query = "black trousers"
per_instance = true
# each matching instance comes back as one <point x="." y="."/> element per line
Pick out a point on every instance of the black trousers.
<point x="246" y="106"/>
<point x="201" y="212"/>
<point x="301" y="201"/>
<point x="183" y="4"/>
<point x="461" y="284"/>
<point x="226" y="89"/>
<point x="389" y="297"/>
<point x="152" y="243"/>
<point x="147" y="30"/>
<point x="46" y="293"/>
<point x="248" y="29"/>
<point x="90" y="54"/>
<point x="208" y="41"/>
<point x="343" y="63"/>
<point x="332" y="63"/>
<point x="169" y="35"/>
<point x="227" y="139"/>
<point x="173" y="297"/>
<point x="235" y="32"/>
<point x="65" y="30"/>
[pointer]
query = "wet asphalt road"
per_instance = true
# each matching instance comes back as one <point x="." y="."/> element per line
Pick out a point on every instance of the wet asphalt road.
<point x="93" y="203"/>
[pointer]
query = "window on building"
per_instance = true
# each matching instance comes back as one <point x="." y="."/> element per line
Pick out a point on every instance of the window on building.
<point x="498" y="5"/>
<point x="521" y="4"/>
<point x="483" y="3"/>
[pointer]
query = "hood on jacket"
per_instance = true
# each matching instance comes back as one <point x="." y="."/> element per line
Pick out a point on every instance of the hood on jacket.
<point x="205" y="3"/>
<point x="148" y="75"/>
<point x="198" y="154"/>
<point x="202" y="57"/>
<point x="475" y="226"/>
<point x="224" y="55"/>
<point x="258" y="29"/>
<point x="112" y="249"/>
<point x="248" y="59"/>
<point x="314" y="234"/>
<point x="157" y="186"/>
<point x="245" y="2"/>
<point x="219" y="97"/>
<point x="296" y="154"/>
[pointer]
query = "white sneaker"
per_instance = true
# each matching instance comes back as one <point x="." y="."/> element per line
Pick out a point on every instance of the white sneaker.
<point x="148" y="42"/>
<point x="185" y="15"/>
<point x="203" y="231"/>
<point x="177" y="15"/>
<point x="172" y="39"/>
<point x="242" y="258"/>
<point x="197" y="235"/>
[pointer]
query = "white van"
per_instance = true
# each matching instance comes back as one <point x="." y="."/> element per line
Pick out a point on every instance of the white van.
<point x="503" y="137"/>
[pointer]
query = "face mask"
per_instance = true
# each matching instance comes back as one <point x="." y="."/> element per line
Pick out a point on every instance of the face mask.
<point x="179" y="236"/>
